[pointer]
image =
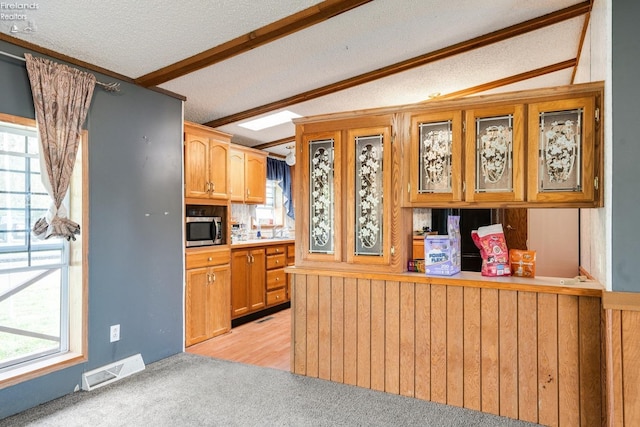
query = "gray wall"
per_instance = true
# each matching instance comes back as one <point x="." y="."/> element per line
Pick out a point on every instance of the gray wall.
<point x="135" y="260"/>
<point x="625" y="245"/>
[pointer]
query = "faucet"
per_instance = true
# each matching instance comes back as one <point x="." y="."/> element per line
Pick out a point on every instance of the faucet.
<point x="277" y="230"/>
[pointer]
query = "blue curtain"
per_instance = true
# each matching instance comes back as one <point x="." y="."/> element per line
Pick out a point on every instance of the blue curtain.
<point x="278" y="170"/>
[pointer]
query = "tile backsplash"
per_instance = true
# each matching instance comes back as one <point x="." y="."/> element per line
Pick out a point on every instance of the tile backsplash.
<point x="421" y="218"/>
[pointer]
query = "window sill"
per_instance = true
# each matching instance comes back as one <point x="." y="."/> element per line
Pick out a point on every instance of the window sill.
<point x="37" y="369"/>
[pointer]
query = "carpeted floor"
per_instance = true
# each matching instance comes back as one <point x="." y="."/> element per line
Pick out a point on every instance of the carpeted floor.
<point x="192" y="390"/>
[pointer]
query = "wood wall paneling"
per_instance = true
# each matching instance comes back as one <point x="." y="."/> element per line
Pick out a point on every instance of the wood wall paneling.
<point x="455" y="352"/>
<point x="324" y="327"/>
<point x="630" y="325"/>
<point x="423" y="341"/>
<point x="472" y="349"/>
<point x="364" y="333"/>
<point x="377" y="334"/>
<point x="312" y="326"/>
<point x="337" y="329"/>
<point x="407" y="339"/>
<point x="489" y="351"/>
<point x="548" y="359"/>
<point x="439" y="343"/>
<point x="508" y="356"/>
<point x="589" y="309"/>
<point x="350" y="367"/>
<point x="527" y="357"/>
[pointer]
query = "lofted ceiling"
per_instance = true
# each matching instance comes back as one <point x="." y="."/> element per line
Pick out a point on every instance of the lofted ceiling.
<point x="235" y="60"/>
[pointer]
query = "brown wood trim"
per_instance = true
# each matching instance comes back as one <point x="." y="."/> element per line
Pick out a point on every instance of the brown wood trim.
<point x="629" y="301"/>
<point x="465" y="46"/>
<point x="583" y="272"/>
<point x="288" y="140"/>
<point x="583" y="35"/>
<point x="281" y="28"/>
<point x="509" y="80"/>
<point x="467" y="279"/>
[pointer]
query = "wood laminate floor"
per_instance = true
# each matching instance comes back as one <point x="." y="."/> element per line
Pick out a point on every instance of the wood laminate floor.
<point x="263" y="342"/>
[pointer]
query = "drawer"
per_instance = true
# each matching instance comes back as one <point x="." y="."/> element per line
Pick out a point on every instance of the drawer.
<point x="207" y="258"/>
<point x="275" y="250"/>
<point x="275" y="261"/>
<point x="276" y="297"/>
<point x="276" y="278"/>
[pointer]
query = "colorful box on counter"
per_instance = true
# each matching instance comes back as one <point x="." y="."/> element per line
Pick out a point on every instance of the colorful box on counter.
<point x="442" y="253"/>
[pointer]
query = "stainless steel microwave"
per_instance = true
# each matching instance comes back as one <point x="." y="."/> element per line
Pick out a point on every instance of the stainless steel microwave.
<point x="204" y="230"/>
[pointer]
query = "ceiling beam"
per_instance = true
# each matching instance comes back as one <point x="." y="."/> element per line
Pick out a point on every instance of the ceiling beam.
<point x="288" y="140"/>
<point x="281" y="28"/>
<point x="447" y="52"/>
<point x="508" y="80"/>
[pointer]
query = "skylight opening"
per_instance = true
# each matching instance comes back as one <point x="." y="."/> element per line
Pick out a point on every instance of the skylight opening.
<point x="270" y="120"/>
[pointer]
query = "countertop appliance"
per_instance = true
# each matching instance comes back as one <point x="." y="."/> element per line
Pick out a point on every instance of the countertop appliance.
<point x="202" y="227"/>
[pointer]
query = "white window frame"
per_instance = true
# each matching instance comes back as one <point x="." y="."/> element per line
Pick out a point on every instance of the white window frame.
<point x="76" y="300"/>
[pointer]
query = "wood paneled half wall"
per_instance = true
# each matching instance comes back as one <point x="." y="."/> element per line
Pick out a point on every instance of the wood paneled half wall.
<point x="524" y="352"/>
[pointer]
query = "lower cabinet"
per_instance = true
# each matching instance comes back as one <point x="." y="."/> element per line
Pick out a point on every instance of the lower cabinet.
<point x="248" y="281"/>
<point x="208" y="291"/>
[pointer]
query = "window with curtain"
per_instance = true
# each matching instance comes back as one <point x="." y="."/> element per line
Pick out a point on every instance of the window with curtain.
<point x="37" y="277"/>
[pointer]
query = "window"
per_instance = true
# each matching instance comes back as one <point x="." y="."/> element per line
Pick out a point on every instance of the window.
<point x="272" y="212"/>
<point x="38" y="278"/>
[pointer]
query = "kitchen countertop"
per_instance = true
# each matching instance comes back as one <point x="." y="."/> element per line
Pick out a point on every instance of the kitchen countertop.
<point x="261" y="242"/>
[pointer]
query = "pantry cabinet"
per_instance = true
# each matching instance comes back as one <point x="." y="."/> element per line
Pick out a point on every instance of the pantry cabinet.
<point x="248" y="291"/>
<point x="248" y="175"/>
<point x="208" y="292"/>
<point x="206" y="162"/>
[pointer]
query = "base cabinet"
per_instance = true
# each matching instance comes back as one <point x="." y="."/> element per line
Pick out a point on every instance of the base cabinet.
<point x="248" y="281"/>
<point x="208" y="291"/>
<point x="276" y="277"/>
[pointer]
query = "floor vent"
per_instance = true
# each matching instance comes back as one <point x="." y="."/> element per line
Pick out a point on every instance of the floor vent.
<point x="112" y="372"/>
<point x="264" y="319"/>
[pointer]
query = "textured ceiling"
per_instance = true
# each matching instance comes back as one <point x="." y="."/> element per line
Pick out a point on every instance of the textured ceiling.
<point x="134" y="38"/>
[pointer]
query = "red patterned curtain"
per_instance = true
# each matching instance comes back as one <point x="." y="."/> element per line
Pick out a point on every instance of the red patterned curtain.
<point x="61" y="96"/>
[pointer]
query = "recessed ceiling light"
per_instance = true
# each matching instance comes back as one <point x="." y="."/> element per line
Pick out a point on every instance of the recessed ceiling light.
<point x="270" y="120"/>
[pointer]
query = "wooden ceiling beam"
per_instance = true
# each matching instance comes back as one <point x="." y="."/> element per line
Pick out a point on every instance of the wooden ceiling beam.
<point x="281" y="28"/>
<point x="508" y="80"/>
<point x="447" y="52"/>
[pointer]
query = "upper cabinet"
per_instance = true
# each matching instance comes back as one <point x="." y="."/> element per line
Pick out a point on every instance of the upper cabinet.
<point x="206" y="162"/>
<point x="347" y="214"/>
<point x="535" y="149"/>
<point x="248" y="175"/>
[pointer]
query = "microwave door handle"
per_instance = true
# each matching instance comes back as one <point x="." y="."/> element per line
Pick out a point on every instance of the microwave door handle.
<point x="214" y="230"/>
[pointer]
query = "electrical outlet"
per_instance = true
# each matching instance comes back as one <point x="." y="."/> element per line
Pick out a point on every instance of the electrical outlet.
<point x="115" y="333"/>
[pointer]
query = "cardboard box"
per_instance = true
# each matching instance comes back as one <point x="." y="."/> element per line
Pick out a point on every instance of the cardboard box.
<point x="442" y="253"/>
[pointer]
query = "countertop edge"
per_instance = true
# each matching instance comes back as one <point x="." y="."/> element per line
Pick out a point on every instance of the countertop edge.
<point x="551" y="285"/>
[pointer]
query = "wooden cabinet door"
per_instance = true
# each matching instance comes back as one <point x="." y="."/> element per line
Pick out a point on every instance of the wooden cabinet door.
<point x="255" y="177"/>
<point x="562" y="151"/>
<point x="236" y="175"/>
<point x="495" y="154"/>
<point x="196" y="306"/>
<point x="220" y="297"/>
<point x="196" y="166"/>
<point x="435" y="163"/>
<point x="257" y="279"/>
<point x="240" y="265"/>
<point x="219" y="169"/>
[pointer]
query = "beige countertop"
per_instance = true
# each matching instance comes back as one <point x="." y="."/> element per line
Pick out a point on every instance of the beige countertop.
<point x="261" y="242"/>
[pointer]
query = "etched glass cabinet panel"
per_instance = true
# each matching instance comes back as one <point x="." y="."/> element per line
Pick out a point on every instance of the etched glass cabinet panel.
<point x="436" y="155"/>
<point x="368" y="186"/>
<point x="561" y="150"/>
<point x="494" y="155"/>
<point x="321" y="196"/>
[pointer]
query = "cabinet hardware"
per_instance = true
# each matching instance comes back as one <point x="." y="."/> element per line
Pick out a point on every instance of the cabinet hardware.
<point x="207" y="187"/>
<point x="597" y="114"/>
<point x="213" y="187"/>
<point x="248" y="259"/>
<point x="393" y="250"/>
<point x="595" y="183"/>
<point x="253" y="259"/>
<point x="213" y="277"/>
<point x="210" y="259"/>
<point x="277" y="261"/>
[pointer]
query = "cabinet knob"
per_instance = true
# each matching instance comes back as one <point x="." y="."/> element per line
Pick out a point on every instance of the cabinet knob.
<point x="277" y="261"/>
<point x="277" y="279"/>
<point x="277" y="296"/>
<point x="210" y="259"/>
